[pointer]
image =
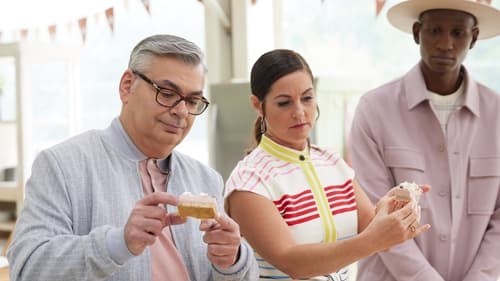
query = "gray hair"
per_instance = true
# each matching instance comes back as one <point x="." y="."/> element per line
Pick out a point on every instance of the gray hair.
<point x="163" y="45"/>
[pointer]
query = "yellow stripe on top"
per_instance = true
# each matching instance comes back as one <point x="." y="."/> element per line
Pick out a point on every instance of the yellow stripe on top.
<point x="302" y="158"/>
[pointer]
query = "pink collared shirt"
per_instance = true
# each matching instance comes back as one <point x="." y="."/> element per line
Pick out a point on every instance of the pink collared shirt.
<point x="397" y="137"/>
<point x="166" y="261"/>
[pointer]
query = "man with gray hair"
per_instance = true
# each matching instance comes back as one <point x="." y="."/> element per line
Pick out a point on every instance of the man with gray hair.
<point x="102" y="205"/>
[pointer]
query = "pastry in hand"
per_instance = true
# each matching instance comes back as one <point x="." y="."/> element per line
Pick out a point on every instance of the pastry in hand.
<point x="200" y="206"/>
<point x="408" y="191"/>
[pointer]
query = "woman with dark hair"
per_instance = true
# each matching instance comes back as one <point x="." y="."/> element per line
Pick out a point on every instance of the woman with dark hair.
<point x="299" y="205"/>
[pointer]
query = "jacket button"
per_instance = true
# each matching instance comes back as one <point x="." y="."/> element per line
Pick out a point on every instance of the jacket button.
<point x="443" y="237"/>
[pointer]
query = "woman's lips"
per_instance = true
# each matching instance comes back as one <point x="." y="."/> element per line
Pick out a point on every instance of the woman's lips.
<point x="299" y="125"/>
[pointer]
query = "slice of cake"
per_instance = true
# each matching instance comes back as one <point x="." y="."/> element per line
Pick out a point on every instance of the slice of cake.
<point x="408" y="191"/>
<point x="200" y="206"/>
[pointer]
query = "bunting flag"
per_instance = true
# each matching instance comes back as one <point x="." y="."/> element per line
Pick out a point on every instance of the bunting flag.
<point x="379" y="5"/>
<point x="37" y="33"/>
<point x="52" y="31"/>
<point x="69" y="26"/>
<point x="24" y="33"/>
<point x="110" y="16"/>
<point x="82" y="23"/>
<point x="146" y="5"/>
<point x="97" y="18"/>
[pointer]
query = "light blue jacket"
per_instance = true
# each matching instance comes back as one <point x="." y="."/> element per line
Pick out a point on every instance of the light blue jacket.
<point x="85" y="187"/>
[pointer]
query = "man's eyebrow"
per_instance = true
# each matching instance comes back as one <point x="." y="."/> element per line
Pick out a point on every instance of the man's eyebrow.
<point x="167" y="84"/>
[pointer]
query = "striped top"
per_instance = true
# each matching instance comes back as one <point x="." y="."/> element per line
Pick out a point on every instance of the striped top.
<point x="312" y="190"/>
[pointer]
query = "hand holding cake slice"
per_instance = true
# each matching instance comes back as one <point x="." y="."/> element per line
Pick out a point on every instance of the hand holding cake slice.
<point x="200" y="206"/>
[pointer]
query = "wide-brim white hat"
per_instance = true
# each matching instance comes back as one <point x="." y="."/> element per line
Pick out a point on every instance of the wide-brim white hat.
<point x="403" y="15"/>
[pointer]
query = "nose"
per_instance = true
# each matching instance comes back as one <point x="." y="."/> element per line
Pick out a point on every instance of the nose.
<point x="180" y="109"/>
<point x="445" y="42"/>
<point x="299" y="111"/>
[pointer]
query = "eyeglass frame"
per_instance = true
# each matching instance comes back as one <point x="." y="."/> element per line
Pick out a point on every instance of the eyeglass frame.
<point x="170" y="91"/>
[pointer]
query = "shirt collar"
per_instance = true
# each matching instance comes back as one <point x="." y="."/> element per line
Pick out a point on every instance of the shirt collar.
<point x="416" y="91"/>
<point x="284" y="153"/>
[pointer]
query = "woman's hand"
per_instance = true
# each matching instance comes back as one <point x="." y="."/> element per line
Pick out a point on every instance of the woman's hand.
<point x="392" y="226"/>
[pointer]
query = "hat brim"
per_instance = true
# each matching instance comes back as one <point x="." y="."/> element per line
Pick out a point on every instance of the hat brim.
<point x="403" y="15"/>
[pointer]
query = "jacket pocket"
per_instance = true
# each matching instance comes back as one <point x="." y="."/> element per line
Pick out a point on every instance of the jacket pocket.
<point x="484" y="185"/>
<point x="406" y="164"/>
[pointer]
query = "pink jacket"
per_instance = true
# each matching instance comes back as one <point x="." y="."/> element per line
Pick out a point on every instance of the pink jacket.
<point x="396" y="137"/>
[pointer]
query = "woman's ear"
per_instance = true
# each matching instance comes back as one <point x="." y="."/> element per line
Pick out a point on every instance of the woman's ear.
<point x="125" y="86"/>
<point x="256" y="104"/>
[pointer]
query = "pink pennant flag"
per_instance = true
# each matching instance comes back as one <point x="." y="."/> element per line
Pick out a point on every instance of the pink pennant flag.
<point x="82" y="23"/>
<point x="97" y="18"/>
<point x="379" y="5"/>
<point x="24" y="34"/>
<point x="146" y="5"/>
<point x="110" y="16"/>
<point x="52" y="31"/>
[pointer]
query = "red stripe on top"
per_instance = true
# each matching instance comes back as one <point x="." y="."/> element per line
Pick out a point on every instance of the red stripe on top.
<point x="291" y="197"/>
<point x="345" y="184"/>
<point x="336" y="204"/>
<point x="301" y="213"/>
<point x="302" y="220"/>
<point x="336" y="197"/>
<point x="344" y="210"/>
<point x="308" y="202"/>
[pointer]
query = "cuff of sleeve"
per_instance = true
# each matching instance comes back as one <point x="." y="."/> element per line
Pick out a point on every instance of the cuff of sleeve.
<point x="239" y="265"/>
<point x="115" y="243"/>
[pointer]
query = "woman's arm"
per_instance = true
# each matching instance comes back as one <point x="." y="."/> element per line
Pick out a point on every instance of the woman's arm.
<point x="366" y="210"/>
<point x="265" y="230"/>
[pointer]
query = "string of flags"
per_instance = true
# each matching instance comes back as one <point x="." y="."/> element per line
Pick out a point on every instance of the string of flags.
<point x="52" y="29"/>
<point x="110" y="16"/>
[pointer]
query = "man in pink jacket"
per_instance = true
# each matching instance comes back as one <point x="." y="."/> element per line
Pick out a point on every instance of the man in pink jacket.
<point x="436" y="125"/>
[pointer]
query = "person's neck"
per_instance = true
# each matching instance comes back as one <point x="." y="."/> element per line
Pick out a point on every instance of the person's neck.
<point x="147" y="146"/>
<point x="299" y="146"/>
<point x="445" y="83"/>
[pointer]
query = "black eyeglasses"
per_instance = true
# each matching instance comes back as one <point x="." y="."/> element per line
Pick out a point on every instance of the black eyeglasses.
<point x="195" y="105"/>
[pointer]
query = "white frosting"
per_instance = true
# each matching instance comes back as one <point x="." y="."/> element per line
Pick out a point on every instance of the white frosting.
<point x="410" y="190"/>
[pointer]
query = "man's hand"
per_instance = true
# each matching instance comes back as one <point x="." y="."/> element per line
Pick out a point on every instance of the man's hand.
<point x="222" y="236"/>
<point x="147" y="220"/>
